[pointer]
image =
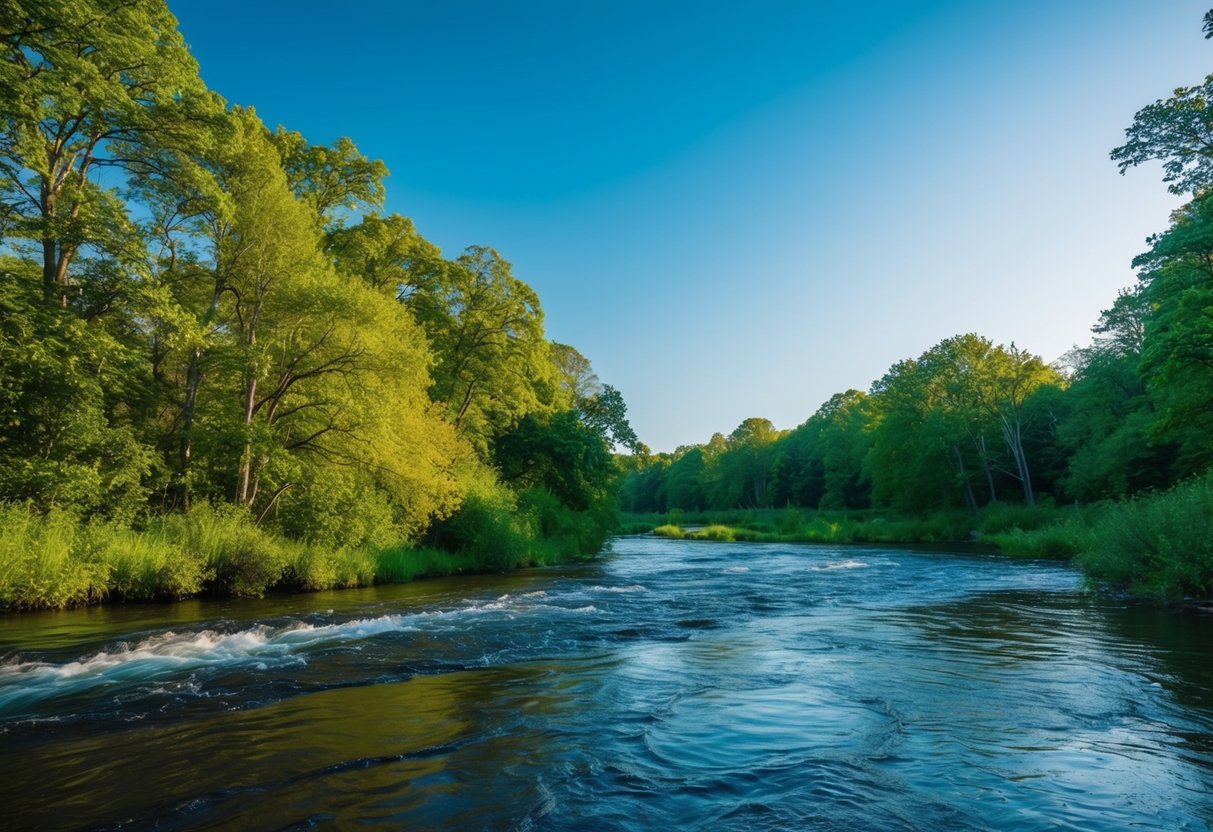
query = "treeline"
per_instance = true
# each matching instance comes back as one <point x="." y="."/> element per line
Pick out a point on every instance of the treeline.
<point x="970" y="423"/>
<point x="965" y="425"/>
<point x="199" y="311"/>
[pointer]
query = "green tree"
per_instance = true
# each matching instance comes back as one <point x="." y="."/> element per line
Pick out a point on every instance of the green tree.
<point x="1177" y="340"/>
<point x="65" y="437"/>
<point x="492" y="361"/>
<point x="913" y="460"/>
<point x="684" y="483"/>
<point x="1108" y="415"/>
<point x="329" y="178"/>
<point x="388" y="254"/>
<point x="744" y="468"/>
<point x="1177" y="131"/>
<point x="87" y="85"/>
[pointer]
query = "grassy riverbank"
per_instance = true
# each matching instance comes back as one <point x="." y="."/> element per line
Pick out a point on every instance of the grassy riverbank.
<point x="793" y="525"/>
<point x="1159" y="545"/>
<point x="56" y="560"/>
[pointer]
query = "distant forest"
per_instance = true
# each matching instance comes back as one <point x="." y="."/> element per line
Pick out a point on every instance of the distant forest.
<point x="969" y="422"/>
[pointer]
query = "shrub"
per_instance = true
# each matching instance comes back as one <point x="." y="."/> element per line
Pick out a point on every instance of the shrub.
<point x="714" y="532"/>
<point x="1062" y="540"/>
<point x="241" y="559"/>
<point x="143" y="566"/>
<point x="1159" y="545"/>
<point x="1002" y="517"/>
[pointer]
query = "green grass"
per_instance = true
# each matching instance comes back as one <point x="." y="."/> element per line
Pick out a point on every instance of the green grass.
<point x="792" y="525"/>
<point x="400" y="564"/>
<point x="56" y="560"/>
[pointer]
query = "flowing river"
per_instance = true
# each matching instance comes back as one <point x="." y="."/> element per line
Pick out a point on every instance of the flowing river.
<point x="667" y="685"/>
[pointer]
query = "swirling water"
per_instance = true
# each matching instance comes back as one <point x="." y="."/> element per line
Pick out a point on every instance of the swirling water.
<point x="668" y="685"/>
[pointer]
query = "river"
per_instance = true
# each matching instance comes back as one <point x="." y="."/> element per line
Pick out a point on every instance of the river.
<point x="667" y="685"/>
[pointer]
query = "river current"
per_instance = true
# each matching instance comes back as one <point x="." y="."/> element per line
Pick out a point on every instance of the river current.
<point x="667" y="685"/>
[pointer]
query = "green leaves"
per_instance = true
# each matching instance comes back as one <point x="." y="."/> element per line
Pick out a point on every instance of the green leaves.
<point x="254" y="338"/>
<point x="1178" y="132"/>
<point x="85" y="85"/>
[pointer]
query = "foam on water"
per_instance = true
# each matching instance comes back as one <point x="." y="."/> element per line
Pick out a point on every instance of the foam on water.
<point x="840" y="564"/>
<point x="173" y="654"/>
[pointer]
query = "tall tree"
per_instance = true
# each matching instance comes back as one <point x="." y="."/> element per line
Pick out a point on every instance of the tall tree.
<point x="1177" y="341"/>
<point x="86" y="85"/>
<point x="1177" y="131"/>
<point x="486" y="327"/>
<point x="329" y="179"/>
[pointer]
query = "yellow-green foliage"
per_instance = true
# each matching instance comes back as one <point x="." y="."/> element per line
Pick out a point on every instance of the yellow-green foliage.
<point x="670" y="530"/>
<point x="714" y="532"/>
<point x="39" y="561"/>
<point x="317" y="567"/>
<point x="241" y="558"/>
<point x="146" y="565"/>
<point x="54" y="560"/>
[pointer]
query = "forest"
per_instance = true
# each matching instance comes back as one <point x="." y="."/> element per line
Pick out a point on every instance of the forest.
<point x="1104" y="454"/>
<point x="224" y="368"/>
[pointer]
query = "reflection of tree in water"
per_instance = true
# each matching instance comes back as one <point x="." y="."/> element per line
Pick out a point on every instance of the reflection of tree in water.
<point x="1006" y="627"/>
<point x="1139" y="644"/>
<point x="1178" y="642"/>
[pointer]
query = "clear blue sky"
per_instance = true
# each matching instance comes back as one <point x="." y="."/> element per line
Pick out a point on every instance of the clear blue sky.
<point x="739" y="209"/>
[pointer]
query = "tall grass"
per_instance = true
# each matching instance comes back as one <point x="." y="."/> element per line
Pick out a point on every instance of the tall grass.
<point x="41" y="562"/>
<point x="55" y="560"/>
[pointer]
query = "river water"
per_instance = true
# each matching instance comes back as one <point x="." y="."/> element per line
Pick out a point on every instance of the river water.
<point x="668" y="685"/>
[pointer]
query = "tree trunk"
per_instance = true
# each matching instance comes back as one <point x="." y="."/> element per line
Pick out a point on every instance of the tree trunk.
<point x="970" y="500"/>
<point x="193" y="379"/>
<point x="983" y="453"/>
<point x="244" y="483"/>
<point x="1011" y="430"/>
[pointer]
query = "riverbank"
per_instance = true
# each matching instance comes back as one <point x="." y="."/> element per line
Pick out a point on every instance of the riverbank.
<point x="998" y="524"/>
<point x="55" y="560"/>
<point x="1158" y="545"/>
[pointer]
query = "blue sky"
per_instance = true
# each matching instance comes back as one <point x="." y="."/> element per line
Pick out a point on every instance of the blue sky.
<point x="739" y="209"/>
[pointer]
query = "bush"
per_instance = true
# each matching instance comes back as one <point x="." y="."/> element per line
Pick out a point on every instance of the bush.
<point x="714" y="532"/>
<point x="1160" y="545"/>
<point x="241" y="559"/>
<point x="1002" y="517"/>
<point x="671" y="531"/>
<point x="488" y="529"/>
<point x="315" y="567"/>
<point x="143" y="566"/>
<point x="1062" y="540"/>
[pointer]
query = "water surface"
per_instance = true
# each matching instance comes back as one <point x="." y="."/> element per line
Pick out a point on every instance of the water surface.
<point x="670" y="684"/>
